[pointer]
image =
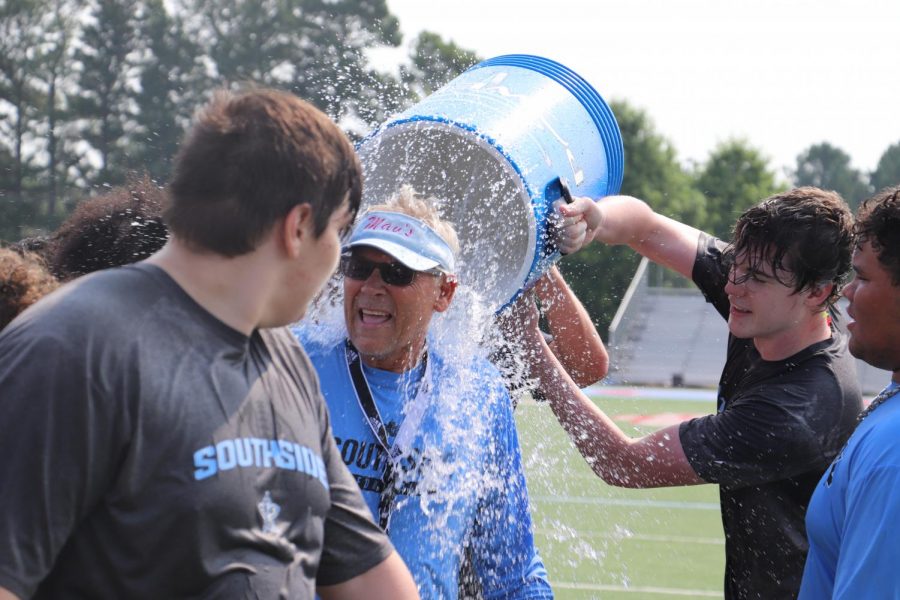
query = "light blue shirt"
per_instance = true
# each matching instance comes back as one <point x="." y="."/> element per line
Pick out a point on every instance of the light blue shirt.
<point x="462" y="482"/>
<point x="853" y="519"/>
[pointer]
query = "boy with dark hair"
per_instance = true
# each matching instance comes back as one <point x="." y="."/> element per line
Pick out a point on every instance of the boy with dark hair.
<point x="172" y="445"/>
<point x="788" y="394"/>
<point x="853" y="516"/>
<point x="232" y="182"/>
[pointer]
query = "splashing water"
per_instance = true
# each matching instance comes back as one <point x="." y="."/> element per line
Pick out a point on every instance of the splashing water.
<point x="498" y="218"/>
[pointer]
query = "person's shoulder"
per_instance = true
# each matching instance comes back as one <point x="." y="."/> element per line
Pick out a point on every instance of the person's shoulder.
<point x="710" y="270"/>
<point x="478" y="376"/>
<point x="793" y="387"/>
<point x="827" y="367"/>
<point x="473" y="367"/>
<point x="879" y="430"/>
<point x="318" y="339"/>
<point x="95" y="317"/>
<point x="90" y="301"/>
<point x="710" y="250"/>
<point x="280" y="338"/>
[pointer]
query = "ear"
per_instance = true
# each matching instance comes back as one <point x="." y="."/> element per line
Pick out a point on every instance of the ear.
<point x="448" y="288"/>
<point x="817" y="295"/>
<point x="297" y="229"/>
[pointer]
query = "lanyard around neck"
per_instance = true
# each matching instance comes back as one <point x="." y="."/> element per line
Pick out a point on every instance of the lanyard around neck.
<point x="885" y="395"/>
<point x="376" y="423"/>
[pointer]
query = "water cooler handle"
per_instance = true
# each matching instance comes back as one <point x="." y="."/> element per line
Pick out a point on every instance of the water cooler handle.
<point x="565" y="193"/>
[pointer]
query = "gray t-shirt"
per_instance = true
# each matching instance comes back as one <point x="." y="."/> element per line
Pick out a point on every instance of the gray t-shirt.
<point x="150" y="451"/>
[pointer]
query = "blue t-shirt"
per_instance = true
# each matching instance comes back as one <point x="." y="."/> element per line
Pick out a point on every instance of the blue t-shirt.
<point x="461" y="482"/>
<point x="853" y="520"/>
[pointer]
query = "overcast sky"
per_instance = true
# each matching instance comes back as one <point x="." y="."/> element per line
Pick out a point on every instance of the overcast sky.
<point x="783" y="74"/>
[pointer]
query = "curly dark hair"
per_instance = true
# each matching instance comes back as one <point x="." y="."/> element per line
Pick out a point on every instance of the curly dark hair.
<point x="24" y="280"/>
<point x="878" y="222"/>
<point x="120" y="227"/>
<point x="806" y="231"/>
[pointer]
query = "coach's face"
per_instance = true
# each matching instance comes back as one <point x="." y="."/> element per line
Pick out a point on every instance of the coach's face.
<point x="875" y="312"/>
<point x="388" y="322"/>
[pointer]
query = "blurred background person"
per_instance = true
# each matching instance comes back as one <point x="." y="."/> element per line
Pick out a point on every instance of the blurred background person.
<point x="24" y="279"/>
<point x="120" y="227"/>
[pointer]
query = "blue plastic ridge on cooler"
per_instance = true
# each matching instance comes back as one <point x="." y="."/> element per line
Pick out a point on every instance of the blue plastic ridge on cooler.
<point x="592" y="101"/>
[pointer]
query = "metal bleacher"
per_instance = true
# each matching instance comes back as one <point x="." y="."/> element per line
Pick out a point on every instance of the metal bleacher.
<point x="670" y="336"/>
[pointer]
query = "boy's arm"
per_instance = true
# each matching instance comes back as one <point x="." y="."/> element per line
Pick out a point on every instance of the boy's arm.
<point x="626" y="220"/>
<point x="388" y="580"/>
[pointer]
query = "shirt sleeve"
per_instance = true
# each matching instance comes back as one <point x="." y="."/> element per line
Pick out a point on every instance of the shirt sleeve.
<point x="756" y="439"/>
<point x="59" y="430"/>
<point x="353" y="542"/>
<point x="710" y="272"/>
<point x="867" y="561"/>
<point x="503" y="551"/>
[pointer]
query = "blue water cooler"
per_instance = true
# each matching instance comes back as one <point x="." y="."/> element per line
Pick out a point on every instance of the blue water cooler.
<point x="494" y="146"/>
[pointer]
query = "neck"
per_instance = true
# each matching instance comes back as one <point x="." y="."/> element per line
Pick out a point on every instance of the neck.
<point x="234" y="290"/>
<point x="397" y="363"/>
<point x="788" y="343"/>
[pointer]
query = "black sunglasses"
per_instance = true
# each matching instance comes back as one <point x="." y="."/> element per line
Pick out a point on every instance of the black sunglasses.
<point x="392" y="273"/>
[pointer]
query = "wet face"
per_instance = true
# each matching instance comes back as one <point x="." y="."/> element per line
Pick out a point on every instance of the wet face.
<point x="762" y="307"/>
<point x="875" y="312"/>
<point x="388" y="323"/>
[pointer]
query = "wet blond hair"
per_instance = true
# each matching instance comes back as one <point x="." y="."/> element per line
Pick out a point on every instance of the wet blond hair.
<point x="409" y="202"/>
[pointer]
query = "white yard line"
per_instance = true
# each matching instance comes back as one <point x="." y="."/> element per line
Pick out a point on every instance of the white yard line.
<point x="601" y="587"/>
<point x="626" y="502"/>
<point x="639" y="537"/>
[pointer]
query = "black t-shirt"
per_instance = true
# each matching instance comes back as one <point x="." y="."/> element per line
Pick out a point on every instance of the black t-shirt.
<point x="150" y="451"/>
<point x="778" y="426"/>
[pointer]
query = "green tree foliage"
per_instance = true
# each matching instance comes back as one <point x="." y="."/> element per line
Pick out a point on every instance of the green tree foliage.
<point x="734" y="178"/>
<point x="828" y="167"/>
<point x="171" y="84"/>
<point x="105" y="68"/>
<point x="599" y="275"/>
<point x="314" y="48"/>
<point x="887" y="173"/>
<point x="54" y="73"/>
<point x="19" y="33"/>
<point x="434" y="62"/>
<point x="93" y="89"/>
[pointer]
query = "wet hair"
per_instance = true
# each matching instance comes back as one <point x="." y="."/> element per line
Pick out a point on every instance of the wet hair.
<point x="24" y="279"/>
<point x="807" y="232"/>
<point x="409" y="202"/>
<point x="117" y="228"/>
<point x="248" y="160"/>
<point x="878" y="222"/>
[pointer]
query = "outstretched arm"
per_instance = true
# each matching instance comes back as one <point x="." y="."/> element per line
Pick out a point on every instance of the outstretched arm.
<point x="575" y="339"/>
<point x="655" y="460"/>
<point x="626" y="220"/>
<point x="388" y="580"/>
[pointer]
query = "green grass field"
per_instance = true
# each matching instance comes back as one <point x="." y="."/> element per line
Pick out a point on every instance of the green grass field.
<point x="604" y="542"/>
